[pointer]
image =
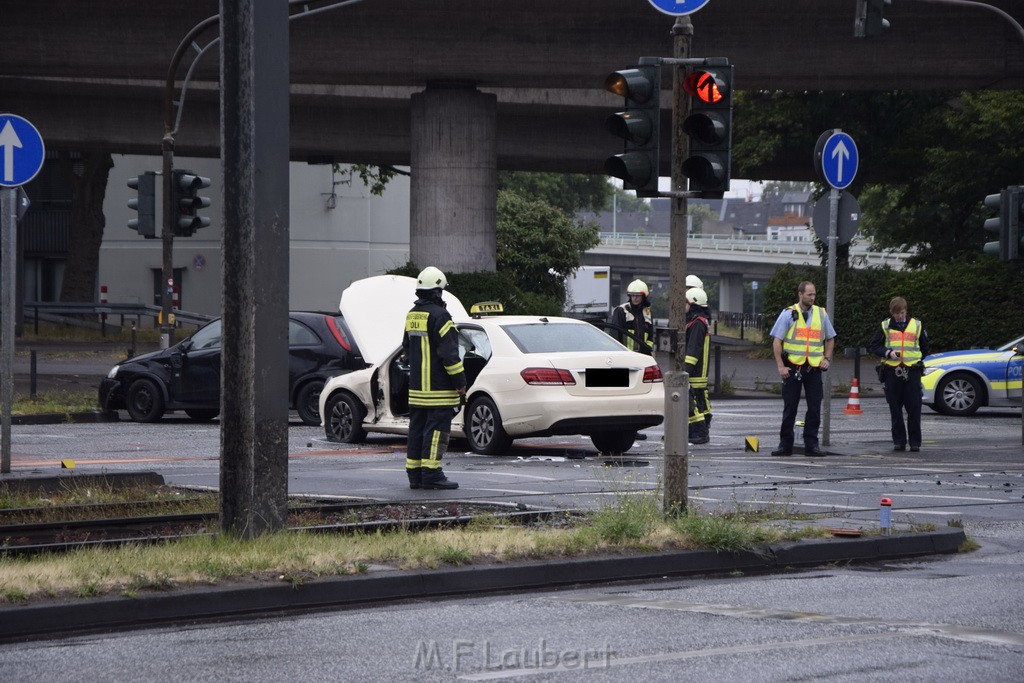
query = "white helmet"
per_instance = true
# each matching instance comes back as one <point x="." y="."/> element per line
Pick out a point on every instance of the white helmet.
<point x="637" y="287"/>
<point x="431" y="278"/>
<point x="694" y="281"/>
<point x="697" y="296"/>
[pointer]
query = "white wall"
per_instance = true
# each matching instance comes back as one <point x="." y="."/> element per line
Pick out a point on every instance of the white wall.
<point x="330" y="247"/>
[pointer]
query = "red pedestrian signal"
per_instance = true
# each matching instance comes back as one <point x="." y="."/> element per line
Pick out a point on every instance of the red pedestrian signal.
<point x="709" y="127"/>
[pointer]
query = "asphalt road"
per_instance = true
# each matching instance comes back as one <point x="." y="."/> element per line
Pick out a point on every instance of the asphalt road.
<point x="944" y="619"/>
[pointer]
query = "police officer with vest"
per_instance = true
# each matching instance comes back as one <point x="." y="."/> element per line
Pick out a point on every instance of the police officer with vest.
<point x="803" y="338"/>
<point x="902" y="344"/>
<point x="437" y="382"/>
<point x="632" y="320"/>
<point x="695" y="363"/>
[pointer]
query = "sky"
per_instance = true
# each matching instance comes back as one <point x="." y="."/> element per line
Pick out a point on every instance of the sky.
<point x="738" y="187"/>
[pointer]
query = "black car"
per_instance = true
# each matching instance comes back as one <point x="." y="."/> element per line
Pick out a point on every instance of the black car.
<point x="187" y="375"/>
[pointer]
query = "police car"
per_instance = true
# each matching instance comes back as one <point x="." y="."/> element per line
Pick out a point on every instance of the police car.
<point x="960" y="382"/>
<point x="528" y="375"/>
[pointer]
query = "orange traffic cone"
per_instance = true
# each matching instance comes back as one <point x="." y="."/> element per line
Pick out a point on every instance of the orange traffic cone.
<point x="853" y="405"/>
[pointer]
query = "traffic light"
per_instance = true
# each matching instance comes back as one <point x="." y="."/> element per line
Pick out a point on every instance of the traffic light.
<point x="638" y="125"/>
<point x="1006" y="224"/>
<point x="709" y="127"/>
<point x="868" y="20"/>
<point x="144" y="203"/>
<point x="186" y="201"/>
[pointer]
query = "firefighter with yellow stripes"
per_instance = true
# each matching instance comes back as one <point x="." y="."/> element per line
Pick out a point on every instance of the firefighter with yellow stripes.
<point x="632" y="322"/>
<point x="696" y="364"/>
<point x="437" y="382"/>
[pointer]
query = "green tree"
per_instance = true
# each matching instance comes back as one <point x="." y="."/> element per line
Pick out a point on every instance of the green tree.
<point x="627" y="201"/>
<point x="539" y="245"/>
<point x="699" y="213"/>
<point x="927" y="159"/>
<point x="776" y="189"/>
<point x="569" y="192"/>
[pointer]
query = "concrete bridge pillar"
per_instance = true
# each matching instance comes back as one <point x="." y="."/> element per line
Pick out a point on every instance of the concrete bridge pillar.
<point x="730" y="293"/>
<point x="453" y="189"/>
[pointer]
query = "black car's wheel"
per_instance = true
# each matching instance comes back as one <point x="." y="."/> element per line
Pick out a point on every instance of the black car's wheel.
<point x="483" y="428"/>
<point x="613" y="442"/>
<point x="958" y="394"/>
<point x="307" y="403"/>
<point x="144" y="402"/>
<point x="201" y="415"/>
<point x="343" y="422"/>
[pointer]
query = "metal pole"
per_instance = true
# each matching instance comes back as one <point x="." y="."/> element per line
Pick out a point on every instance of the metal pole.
<point x="167" y="235"/>
<point x="32" y="377"/>
<point x="677" y="383"/>
<point x="833" y="238"/>
<point x="8" y="231"/>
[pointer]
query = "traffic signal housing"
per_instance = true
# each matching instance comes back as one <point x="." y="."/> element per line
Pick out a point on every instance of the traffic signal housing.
<point x="144" y="203"/>
<point x="1009" y="203"/>
<point x="709" y="127"/>
<point x="186" y="201"/>
<point x="869" y="20"/>
<point x="639" y="126"/>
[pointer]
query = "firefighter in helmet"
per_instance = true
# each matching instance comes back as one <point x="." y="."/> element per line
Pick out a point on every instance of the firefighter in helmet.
<point x="632" y="323"/>
<point x="695" y="363"/>
<point x="437" y="382"/>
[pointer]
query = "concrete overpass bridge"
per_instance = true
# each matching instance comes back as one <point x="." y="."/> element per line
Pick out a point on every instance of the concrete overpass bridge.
<point x="731" y="261"/>
<point x="458" y="89"/>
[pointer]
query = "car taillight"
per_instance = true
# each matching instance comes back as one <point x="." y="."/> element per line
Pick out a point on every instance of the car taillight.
<point x="652" y="373"/>
<point x="547" y="377"/>
<point x="339" y="336"/>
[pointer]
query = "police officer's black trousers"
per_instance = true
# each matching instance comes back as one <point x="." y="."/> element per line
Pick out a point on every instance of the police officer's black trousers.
<point x="809" y="379"/>
<point x="904" y="395"/>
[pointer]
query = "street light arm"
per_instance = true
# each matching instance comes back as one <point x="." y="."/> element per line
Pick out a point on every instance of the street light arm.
<point x="983" y="5"/>
<point x="171" y="126"/>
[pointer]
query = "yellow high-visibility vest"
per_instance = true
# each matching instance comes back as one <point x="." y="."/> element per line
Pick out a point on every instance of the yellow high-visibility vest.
<point x="907" y="342"/>
<point x="804" y="342"/>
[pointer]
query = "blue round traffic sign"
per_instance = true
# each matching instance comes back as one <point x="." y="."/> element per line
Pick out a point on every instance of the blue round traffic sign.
<point x="21" y="151"/>
<point x="678" y="8"/>
<point x="839" y="159"/>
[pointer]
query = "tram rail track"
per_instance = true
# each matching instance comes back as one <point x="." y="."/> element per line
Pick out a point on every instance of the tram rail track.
<point x="18" y="540"/>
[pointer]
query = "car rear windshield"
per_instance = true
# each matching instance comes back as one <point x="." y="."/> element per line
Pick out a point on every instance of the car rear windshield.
<point x="558" y="337"/>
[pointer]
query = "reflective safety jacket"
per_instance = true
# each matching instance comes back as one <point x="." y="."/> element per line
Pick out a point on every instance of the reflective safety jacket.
<point x="805" y="341"/>
<point x="626" y="317"/>
<point x="698" y="342"/>
<point x="906" y="341"/>
<point x="431" y="342"/>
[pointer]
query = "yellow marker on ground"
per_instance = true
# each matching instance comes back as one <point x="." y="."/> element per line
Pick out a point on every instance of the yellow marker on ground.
<point x="67" y="464"/>
<point x="752" y="443"/>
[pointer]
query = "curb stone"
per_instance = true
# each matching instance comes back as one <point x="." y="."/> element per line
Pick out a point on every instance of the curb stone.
<point x="233" y="602"/>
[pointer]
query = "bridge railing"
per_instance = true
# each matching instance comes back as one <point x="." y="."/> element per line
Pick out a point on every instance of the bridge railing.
<point x="860" y="254"/>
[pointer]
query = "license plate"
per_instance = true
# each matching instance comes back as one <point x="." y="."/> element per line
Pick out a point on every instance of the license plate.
<point x="607" y="377"/>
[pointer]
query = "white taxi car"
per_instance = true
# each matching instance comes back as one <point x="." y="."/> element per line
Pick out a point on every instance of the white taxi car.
<point x="528" y="376"/>
<point x="960" y="382"/>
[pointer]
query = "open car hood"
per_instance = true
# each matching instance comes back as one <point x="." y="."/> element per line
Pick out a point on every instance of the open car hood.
<point x="375" y="309"/>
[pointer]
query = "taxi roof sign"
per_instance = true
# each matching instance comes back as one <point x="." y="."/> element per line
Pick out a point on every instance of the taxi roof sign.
<point x="486" y="308"/>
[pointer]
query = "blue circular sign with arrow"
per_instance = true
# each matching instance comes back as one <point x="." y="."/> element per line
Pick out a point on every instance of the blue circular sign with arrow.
<point x="839" y="159"/>
<point x="678" y="8"/>
<point x="21" y="151"/>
